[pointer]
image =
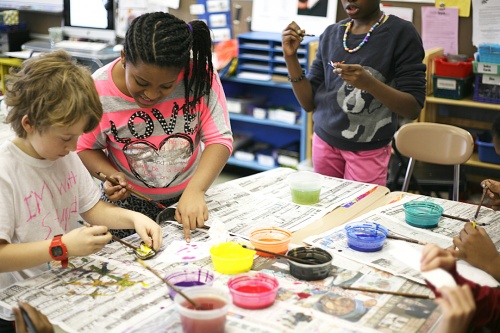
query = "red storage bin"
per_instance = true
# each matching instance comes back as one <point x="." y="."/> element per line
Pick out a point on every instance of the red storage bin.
<point x="461" y="69"/>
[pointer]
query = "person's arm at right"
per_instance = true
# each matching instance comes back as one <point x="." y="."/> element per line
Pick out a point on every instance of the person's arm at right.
<point x="493" y="194"/>
<point x="79" y="242"/>
<point x="475" y="247"/>
<point x="291" y="38"/>
<point x="95" y="160"/>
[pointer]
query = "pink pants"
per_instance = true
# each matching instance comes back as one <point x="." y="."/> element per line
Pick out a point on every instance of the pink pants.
<point x="367" y="166"/>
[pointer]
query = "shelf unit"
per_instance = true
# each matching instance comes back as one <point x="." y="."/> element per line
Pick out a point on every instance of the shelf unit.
<point x="262" y="75"/>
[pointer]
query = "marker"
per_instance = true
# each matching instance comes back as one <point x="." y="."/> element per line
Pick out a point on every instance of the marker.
<point x="27" y="320"/>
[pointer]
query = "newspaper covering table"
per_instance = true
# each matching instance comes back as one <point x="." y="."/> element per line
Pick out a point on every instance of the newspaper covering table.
<point x="392" y="216"/>
<point x="110" y="292"/>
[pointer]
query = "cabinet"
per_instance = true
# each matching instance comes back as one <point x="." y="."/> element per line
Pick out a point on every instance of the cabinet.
<point x="261" y="78"/>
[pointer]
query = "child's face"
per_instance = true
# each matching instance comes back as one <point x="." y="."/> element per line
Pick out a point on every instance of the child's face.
<point x="55" y="142"/>
<point x="360" y="8"/>
<point x="149" y="84"/>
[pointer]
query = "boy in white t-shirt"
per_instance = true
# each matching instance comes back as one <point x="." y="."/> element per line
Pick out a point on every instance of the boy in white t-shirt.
<point x="44" y="187"/>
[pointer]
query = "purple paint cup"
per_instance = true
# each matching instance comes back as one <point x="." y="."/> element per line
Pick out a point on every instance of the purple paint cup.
<point x="189" y="277"/>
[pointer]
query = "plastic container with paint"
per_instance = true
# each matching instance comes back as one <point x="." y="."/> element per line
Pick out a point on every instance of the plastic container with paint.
<point x="211" y="317"/>
<point x="321" y="263"/>
<point x="422" y="214"/>
<point x="253" y="291"/>
<point x="189" y="277"/>
<point x="231" y="258"/>
<point x="271" y="239"/>
<point x="366" y="236"/>
<point x="305" y="187"/>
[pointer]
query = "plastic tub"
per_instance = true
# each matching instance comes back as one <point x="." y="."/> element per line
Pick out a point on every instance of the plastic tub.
<point x="231" y="258"/>
<point x="319" y="269"/>
<point x="423" y="214"/>
<point x="253" y="291"/>
<point x="305" y="187"/>
<point x="365" y="236"/>
<point x="189" y="277"/>
<point x="212" y="318"/>
<point x="271" y="239"/>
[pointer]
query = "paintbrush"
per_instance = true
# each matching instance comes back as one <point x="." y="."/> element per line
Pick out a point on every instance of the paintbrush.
<point x="119" y="240"/>
<point x="177" y="290"/>
<point x="410" y="240"/>
<point x="140" y="195"/>
<point x="455" y="217"/>
<point x="299" y="260"/>
<point x="380" y="291"/>
<point x="480" y="203"/>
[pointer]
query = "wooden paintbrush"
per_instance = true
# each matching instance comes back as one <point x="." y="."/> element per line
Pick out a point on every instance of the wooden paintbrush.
<point x="86" y="224"/>
<point x="177" y="290"/>
<point x="480" y="203"/>
<point x="299" y="260"/>
<point x="380" y="291"/>
<point x="410" y="240"/>
<point x="140" y="195"/>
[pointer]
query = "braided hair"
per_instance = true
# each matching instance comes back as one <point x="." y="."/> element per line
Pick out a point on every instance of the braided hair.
<point x="164" y="40"/>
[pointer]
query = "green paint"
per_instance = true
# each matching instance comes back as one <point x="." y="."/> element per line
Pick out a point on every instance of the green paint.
<point x="305" y="197"/>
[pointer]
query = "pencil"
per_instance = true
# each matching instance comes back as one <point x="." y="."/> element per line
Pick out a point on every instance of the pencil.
<point x="140" y="195"/>
<point x="396" y="293"/>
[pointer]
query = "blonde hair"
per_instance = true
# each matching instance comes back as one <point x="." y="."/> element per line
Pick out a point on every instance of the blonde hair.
<point x="52" y="90"/>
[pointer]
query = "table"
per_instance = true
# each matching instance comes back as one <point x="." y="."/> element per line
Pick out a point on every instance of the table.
<point x="109" y="292"/>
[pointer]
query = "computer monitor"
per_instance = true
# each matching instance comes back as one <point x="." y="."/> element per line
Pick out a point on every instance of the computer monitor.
<point x="90" y="19"/>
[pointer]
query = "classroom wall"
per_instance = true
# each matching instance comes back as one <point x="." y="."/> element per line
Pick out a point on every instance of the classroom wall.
<point x="40" y="22"/>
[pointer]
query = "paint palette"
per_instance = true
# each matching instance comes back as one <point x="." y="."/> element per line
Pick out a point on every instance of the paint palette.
<point x="144" y="252"/>
<point x="253" y="291"/>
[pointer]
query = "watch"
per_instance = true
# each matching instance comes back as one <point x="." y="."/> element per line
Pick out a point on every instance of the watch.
<point x="58" y="250"/>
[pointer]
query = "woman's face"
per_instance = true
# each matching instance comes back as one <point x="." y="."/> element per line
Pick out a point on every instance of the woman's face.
<point x="149" y="84"/>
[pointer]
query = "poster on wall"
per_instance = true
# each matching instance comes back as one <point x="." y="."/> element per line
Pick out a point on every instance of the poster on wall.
<point x="311" y="15"/>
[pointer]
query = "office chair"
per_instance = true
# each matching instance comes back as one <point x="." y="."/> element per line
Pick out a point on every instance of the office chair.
<point x="437" y="144"/>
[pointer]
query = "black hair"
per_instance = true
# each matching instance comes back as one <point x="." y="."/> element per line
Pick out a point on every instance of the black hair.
<point x="164" y="40"/>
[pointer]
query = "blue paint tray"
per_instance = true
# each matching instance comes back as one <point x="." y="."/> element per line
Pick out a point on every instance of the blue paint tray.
<point x="422" y="214"/>
<point x="365" y="236"/>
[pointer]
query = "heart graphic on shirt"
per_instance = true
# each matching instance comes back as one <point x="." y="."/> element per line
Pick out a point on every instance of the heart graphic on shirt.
<point x="158" y="167"/>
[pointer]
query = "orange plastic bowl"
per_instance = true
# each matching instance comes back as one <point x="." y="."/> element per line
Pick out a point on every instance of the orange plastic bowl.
<point x="271" y="239"/>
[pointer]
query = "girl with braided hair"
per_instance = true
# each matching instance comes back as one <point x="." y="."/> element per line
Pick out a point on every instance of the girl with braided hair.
<point x="165" y="131"/>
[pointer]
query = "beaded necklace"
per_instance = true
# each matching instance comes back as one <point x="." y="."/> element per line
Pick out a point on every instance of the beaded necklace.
<point x="348" y="28"/>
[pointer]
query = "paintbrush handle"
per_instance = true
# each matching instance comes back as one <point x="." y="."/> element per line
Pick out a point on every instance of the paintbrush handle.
<point x="139" y="194"/>
<point x="302" y="261"/>
<point x="123" y="242"/>
<point x="406" y="239"/>
<point x="177" y="290"/>
<point x="480" y="203"/>
<point x="455" y="217"/>
<point x="397" y="293"/>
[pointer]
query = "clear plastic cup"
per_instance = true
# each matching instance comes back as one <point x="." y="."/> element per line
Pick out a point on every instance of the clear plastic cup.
<point x="189" y="277"/>
<point x="305" y="187"/>
<point x="211" y="317"/>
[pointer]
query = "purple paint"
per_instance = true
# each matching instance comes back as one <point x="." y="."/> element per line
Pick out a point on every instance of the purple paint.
<point x="189" y="283"/>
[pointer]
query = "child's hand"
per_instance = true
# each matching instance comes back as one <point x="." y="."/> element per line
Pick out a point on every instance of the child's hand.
<point x="148" y="230"/>
<point x="458" y="307"/>
<point x="493" y="194"/>
<point x="117" y="192"/>
<point x="435" y="257"/>
<point x="355" y="75"/>
<point x="476" y="247"/>
<point x="87" y="240"/>
<point x="37" y="319"/>
<point x="291" y="38"/>
<point x="192" y="211"/>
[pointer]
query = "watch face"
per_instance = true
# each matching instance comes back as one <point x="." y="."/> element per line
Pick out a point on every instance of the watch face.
<point x="57" y="251"/>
